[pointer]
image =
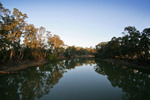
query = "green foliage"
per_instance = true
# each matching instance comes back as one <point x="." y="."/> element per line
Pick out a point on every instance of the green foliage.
<point x="133" y="45"/>
<point x="14" y="29"/>
<point x="70" y="52"/>
<point x="73" y="52"/>
<point x="52" y="57"/>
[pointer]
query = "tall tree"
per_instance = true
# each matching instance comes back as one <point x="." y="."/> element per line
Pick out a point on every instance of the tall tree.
<point x="56" y="44"/>
<point x="145" y="44"/>
<point x="30" y="36"/>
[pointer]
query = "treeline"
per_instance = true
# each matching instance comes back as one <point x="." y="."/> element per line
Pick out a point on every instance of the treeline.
<point x="20" y="40"/>
<point x="73" y="52"/>
<point x="134" y="45"/>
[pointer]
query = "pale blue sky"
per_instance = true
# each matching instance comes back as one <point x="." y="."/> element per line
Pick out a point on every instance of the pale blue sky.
<point x="84" y="22"/>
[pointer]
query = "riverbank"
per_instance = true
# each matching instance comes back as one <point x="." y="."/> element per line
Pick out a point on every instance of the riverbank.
<point x="11" y="67"/>
<point x="130" y="63"/>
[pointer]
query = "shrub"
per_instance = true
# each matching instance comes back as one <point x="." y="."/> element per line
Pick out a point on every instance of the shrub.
<point x="52" y="57"/>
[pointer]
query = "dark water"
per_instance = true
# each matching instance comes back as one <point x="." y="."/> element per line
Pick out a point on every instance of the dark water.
<point x="78" y="79"/>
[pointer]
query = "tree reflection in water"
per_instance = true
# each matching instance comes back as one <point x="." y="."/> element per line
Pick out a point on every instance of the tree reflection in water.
<point x="135" y="83"/>
<point x="33" y="83"/>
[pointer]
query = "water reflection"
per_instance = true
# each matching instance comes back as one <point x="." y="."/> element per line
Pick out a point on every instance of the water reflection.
<point x="35" y="82"/>
<point x="135" y="83"/>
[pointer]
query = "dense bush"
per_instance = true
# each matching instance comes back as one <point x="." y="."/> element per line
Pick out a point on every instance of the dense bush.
<point x="133" y="45"/>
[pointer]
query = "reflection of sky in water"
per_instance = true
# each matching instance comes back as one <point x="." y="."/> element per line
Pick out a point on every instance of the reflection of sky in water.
<point x="83" y="83"/>
<point x="77" y="79"/>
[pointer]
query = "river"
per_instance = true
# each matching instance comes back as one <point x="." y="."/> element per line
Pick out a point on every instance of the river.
<point x="77" y="79"/>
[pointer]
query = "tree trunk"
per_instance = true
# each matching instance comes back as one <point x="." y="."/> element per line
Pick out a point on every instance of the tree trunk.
<point x="11" y="54"/>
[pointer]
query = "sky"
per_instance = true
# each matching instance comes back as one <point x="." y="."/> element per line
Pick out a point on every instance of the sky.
<point x="84" y="22"/>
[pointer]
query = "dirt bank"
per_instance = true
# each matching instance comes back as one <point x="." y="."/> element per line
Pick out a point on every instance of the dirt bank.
<point x="130" y="63"/>
<point x="11" y="67"/>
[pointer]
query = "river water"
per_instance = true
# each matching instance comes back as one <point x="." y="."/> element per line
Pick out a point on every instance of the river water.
<point x="77" y="79"/>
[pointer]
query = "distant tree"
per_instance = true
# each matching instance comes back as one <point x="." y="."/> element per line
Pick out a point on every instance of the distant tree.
<point x="70" y="52"/>
<point x="133" y="45"/>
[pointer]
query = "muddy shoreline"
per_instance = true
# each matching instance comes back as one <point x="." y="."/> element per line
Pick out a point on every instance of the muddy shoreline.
<point x="130" y="63"/>
<point x="11" y="67"/>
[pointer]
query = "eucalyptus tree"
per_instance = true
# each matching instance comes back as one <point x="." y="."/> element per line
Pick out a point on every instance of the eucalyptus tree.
<point x="12" y="26"/>
<point x="145" y="44"/>
<point x="56" y="44"/>
<point x="15" y="31"/>
<point x="30" y="34"/>
<point x="30" y="40"/>
<point x="70" y="52"/>
<point x="134" y="40"/>
<point x="134" y="45"/>
<point x="4" y="17"/>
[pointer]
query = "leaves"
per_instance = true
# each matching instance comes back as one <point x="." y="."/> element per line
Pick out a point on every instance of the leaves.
<point x="133" y="45"/>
